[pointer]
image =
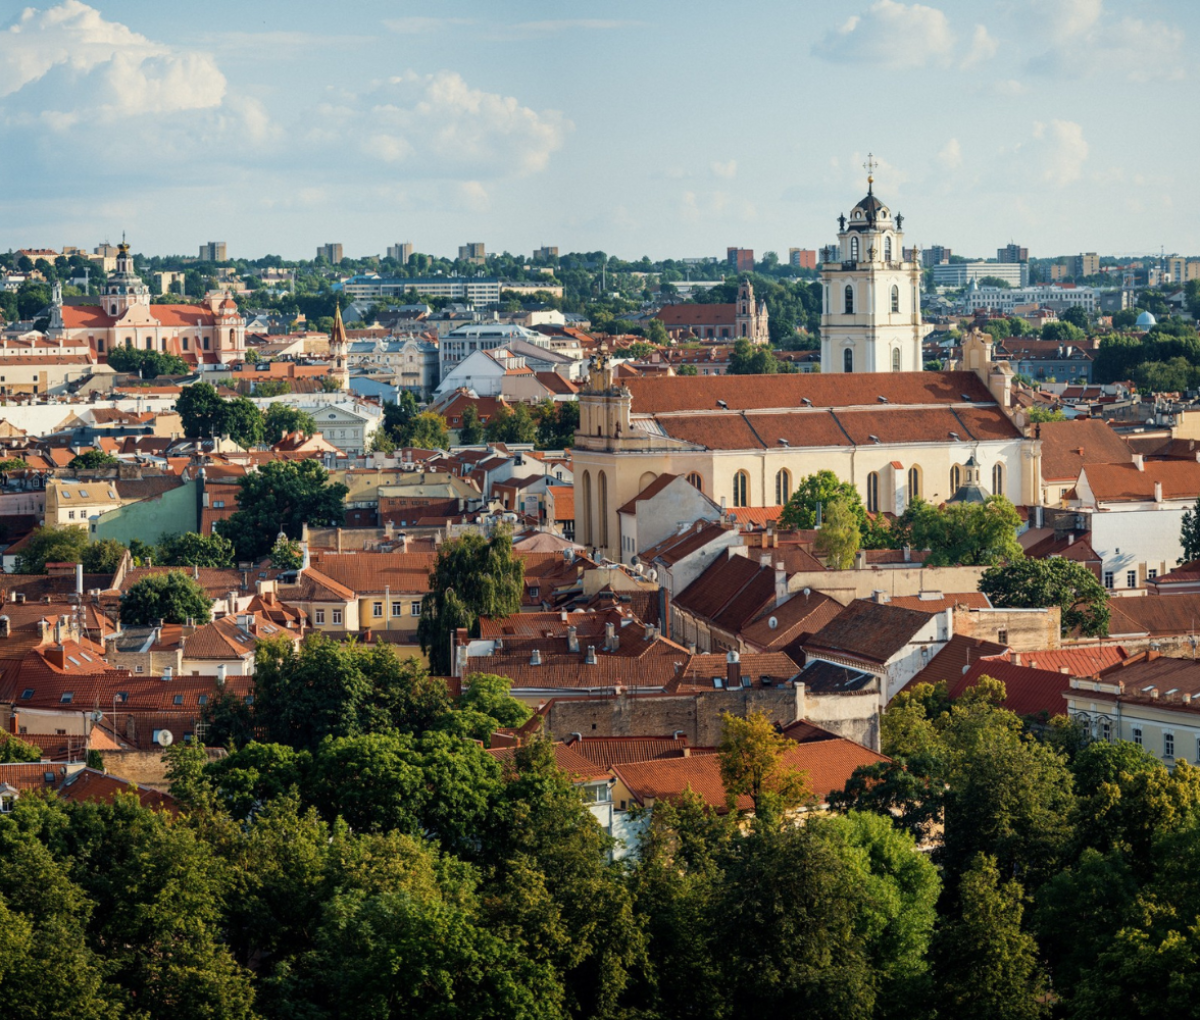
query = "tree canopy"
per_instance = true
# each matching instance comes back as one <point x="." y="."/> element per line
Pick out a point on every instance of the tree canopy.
<point x="1039" y="583"/>
<point x="172" y="596"/>
<point x="280" y="497"/>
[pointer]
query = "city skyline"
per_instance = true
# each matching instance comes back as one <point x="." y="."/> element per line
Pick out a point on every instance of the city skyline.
<point x="988" y="119"/>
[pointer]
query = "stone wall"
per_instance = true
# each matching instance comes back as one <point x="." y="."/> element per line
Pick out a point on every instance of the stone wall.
<point x="1022" y="630"/>
<point x="848" y="585"/>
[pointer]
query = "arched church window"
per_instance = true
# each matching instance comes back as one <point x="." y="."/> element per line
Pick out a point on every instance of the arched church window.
<point x="887" y="249"/>
<point x="783" y="487"/>
<point x="873" y="492"/>
<point x="955" y="478"/>
<point x="603" y="480"/>
<point x="895" y="359"/>
<point x="998" y="480"/>
<point x="741" y="489"/>
<point x="914" y="483"/>
<point x="587" y="508"/>
<point x="849" y="300"/>
<point x="695" y="479"/>
<point x="895" y="298"/>
<point x="848" y="360"/>
<point x="854" y="249"/>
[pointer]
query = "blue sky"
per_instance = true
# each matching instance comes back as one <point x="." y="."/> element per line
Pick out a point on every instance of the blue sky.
<point x="661" y="129"/>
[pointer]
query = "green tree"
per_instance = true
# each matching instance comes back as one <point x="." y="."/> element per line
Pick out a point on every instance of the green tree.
<point x="987" y="964"/>
<point x="511" y="425"/>
<point x="686" y="370"/>
<point x="484" y="707"/>
<point x="398" y="417"/>
<point x="1036" y="584"/>
<point x="282" y="419"/>
<point x="1076" y="316"/>
<point x="840" y="536"/>
<point x="242" y="421"/>
<point x="428" y="431"/>
<point x="202" y="410"/>
<point x="657" y="334"/>
<point x="1062" y="331"/>
<point x="190" y="549"/>
<point x="172" y="597"/>
<point x="286" y="554"/>
<point x="472" y="577"/>
<point x="103" y="557"/>
<point x="753" y="760"/>
<point x="752" y="359"/>
<point x="14" y="749"/>
<point x="52" y="543"/>
<point x="966" y="534"/>
<point x="1042" y="414"/>
<point x="272" y="388"/>
<point x="282" y="495"/>
<point x="148" y="364"/>
<point x="471" y="432"/>
<point x="382" y="442"/>
<point x="1189" y="534"/>
<point x="93" y="460"/>
<point x="819" y="489"/>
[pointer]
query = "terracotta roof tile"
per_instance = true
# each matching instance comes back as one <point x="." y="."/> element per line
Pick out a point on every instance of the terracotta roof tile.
<point x="954" y="658"/>
<point x="604" y="752"/>
<point x="1069" y="446"/>
<point x="566" y="758"/>
<point x="1180" y="479"/>
<point x="872" y="631"/>
<point x="926" y="604"/>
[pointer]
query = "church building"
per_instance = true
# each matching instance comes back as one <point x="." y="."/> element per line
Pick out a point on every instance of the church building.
<point x="872" y="416"/>
<point x="746" y="319"/>
<point x="210" y="333"/>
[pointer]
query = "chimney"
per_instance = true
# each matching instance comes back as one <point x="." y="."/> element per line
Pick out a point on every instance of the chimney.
<point x="1071" y="538"/>
<point x="590" y="660"/>
<point x="860" y="560"/>
<point x="339" y="539"/>
<point x="908" y="554"/>
<point x="1139" y="462"/>
<point x="612" y="640"/>
<point x="781" y="584"/>
<point x="651" y="633"/>
<point x="573" y="639"/>
<point x="57" y="656"/>
<point x="1016" y="658"/>
<point x="1158" y="495"/>
<point x="772" y="537"/>
<point x="880" y="596"/>
<point x="536" y="658"/>
<point x="764" y="560"/>
<point x="167" y="674"/>
<point x="78" y="578"/>
<point x="221" y="671"/>
<point x="733" y="670"/>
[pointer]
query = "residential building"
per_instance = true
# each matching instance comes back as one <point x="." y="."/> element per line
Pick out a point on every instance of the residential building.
<point x="478" y="290"/>
<point x="407" y="363"/>
<point x="401" y="252"/>
<point x="871" y="308"/>
<point x="746" y="318"/>
<point x="1087" y="264"/>
<point x="654" y="514"/>
<point x="960" y="274"/>
<point x="1059" y="297"/>
<point x="331" y="252"/>
<point x="1012" y="253"/>
<point x="214" y="251"/>
<point x="1183" y="270"/>
<point x="740" y="260"/>
<point x="1070" y="446"/>
<point x="802" y="258"/>
<point x="473" y="251"/>
<point x="456" y="345"/>
<point x="934" y="255"/>
<point x="546" y="252"/>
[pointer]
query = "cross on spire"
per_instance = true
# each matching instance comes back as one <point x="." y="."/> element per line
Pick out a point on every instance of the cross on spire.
<point x="871" y="165"/>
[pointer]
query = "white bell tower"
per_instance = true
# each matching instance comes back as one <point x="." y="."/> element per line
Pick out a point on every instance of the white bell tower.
<point x="871" y="318"/>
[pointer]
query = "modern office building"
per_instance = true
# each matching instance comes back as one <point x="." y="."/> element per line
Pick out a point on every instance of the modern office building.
<point x="473" y="251"/>
<point x="960" y="274"/>
<point x="402" y="251"/>
<point x="741" y="260"/>
<point x="478" y="290"/>
<point x="1012" y="253"/>
<point x="214" y="251"/>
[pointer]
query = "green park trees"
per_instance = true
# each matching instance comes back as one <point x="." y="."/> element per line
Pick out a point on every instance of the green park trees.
<point x="280" y="497"/>
<point x="171" y="596"/>
<point x="1036" y="583"/>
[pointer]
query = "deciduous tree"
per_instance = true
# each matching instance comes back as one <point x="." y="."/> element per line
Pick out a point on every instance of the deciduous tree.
<point x="172" y="597"/>
<point x="1039" y="583"/>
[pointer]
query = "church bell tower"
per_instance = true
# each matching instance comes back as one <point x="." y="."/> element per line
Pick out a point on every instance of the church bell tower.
<point x="871" y="318"/>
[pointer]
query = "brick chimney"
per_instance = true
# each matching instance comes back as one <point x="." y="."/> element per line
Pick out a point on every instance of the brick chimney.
<point x="781" y="584"/>
<point x="733" y="670"/>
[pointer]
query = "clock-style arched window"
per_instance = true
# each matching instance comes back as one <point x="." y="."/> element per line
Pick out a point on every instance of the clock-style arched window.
<point x="741" y="489"/>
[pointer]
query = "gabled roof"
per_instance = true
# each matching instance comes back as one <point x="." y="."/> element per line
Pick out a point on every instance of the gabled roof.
<point x="604" y="752"/>
<point x="649" y="492"/>
<point x="935" y="602"/>
<point x="799" y="617"/>
<point x="566" y="758"/>
<point x="954" y="658"/>
<point x="1117" y="483"/>
<point x="1156" y="615"/>
<point x="682" y="544"/>
<point x="872" y="631"/>
<point x="1069" y="446"/>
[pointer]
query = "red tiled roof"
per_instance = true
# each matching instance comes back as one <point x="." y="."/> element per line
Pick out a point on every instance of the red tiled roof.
<point x="564" y="502"/>
<point x="649" y="492"/>
<point x="874" y="631"/>
<point x="799" y="617"/>
<point x="686" y="314"/>
<point x="1028" y="691"/>
<point x="1157" y="615"/>
<point x="1069" y="446"/>
<point x="605" y="752"/>
<point x="970" y="599"/>
<point x="1082" y="661"/>
<point x="1180" y="479"/>
<point x="567" y="759"/>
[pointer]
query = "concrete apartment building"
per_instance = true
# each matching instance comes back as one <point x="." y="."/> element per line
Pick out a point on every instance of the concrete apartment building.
<point x="214" y="251"/>
<point x="473" y="251"/>
<point x="401" y="251"/>
<point x="330" y="252"/>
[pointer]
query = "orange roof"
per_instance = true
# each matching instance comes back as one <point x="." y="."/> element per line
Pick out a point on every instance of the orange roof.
<point x="971" y="599"/>
<point x="569" y="761"/>
<point x="1180" y="479"/>
<point x="564" y="502"/>
<point x="1069" y="446"/>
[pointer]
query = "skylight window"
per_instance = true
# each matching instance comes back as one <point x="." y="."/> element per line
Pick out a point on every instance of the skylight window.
<point x="83" y="494"/>
<point x="177" y="700"/>
<point x="66" y="494"/>
<point x="27" y="694"/>
<point x="66" y="697"/>
<point x="86" y="657"/>
<point x="73" y="659"/>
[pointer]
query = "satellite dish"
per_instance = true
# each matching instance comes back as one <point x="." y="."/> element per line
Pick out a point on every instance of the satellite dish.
<point x="97" y="715"/>
<point x="773" y="623"/>
<point x="165" y="738"/>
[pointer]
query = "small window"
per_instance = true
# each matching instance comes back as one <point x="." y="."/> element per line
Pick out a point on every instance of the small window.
<point x="319" y="616"/>
<point x="27" y="694"/>
<point x="895" y="359"/>
<point x="741" y="489"/>
<point x="398" y="608"/>
<point x="998" y="480"/>
<point x="914" y="483"/>
<point x="895" y="297"/>
<point x="377" y="609"/>
<point x="849" y="300"/>
<point x="1002" y="636"/>
<point x="1106" y="730"/>
<point x="66" y="494"/>
<point x="66" y="697"/>
<point x="696" y="481"/>
<point x="887" y="257"/>
<point x="1151" y="574"/>
<point x="1136" y="734"/>
<point x="83" y="494"/>
<point x="70" y="515"/>
<point x="139" y="669"/>
<point x="415" y="609"/>
<point x="249" y="699"/>
<point x="955" y="478"/>
<point x="337" y="616"/>
<point x="1108" y="579"/>
<point x="848" y="360"/>
<point x="177" y="700"/>
<point x="1130" y="578"/>
<point x="203" y="699"/>
<point x="873" y="492"/>
<point x="218" y="504"/>
<point x="783" y="487"/>
<point x="854" y="249"/>
<point x="1168" y="745"/>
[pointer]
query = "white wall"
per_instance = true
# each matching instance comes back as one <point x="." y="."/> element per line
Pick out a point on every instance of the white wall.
<point x="1144" y="536"/>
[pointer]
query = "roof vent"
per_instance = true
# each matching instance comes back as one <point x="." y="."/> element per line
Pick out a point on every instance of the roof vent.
<point x="773" y="622"/>
<point x="590" y="658"/>
<point x="874" y="439"/>
<point x="966" y="398"/>
<point x="721" y="403"/>
<point x="806" y="401"/>
<point x="955" y="436"/>
<point x="784" y="442"/>
<point x="536" y="658"/>
<point x="882" y="399"/>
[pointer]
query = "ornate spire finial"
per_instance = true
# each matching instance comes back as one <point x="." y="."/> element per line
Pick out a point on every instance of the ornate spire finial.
<point x="871" y="165"/>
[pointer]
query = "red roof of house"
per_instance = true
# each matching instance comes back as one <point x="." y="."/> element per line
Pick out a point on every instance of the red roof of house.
<point x="1069" y="446"/>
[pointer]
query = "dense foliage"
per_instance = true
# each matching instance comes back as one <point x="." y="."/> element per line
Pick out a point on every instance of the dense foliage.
<point x="282" y="496"/>
<point x="172" y="596"/>
<point x="1037" y="583"/>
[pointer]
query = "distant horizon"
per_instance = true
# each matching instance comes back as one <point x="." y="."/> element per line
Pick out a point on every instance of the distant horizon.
<point x="992" y="121"/>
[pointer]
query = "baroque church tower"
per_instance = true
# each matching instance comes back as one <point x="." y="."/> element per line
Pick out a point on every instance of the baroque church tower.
<point x="871" y="320"/>
<point x="339" y="351"/>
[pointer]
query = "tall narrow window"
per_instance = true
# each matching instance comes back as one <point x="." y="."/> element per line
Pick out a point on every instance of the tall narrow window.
<point x="914" y="483"/>
<point x="603" y="487"/>
<point x="873" y="492"/>
<point x="955" y="479"/>
<point x="998" y="480"/>
<point x="848" y="360"/>
<point x="696" y="480"/>
<point x="783" y="487"/>
<point x="895" y="359"/>
<point x="895" y="298"/>
<point x="887" y="249"/>
<point x="854" y="249"/>
<point x="741" y="489"/>
<point x="587" y="508"/>
<point x="849" y="300"/>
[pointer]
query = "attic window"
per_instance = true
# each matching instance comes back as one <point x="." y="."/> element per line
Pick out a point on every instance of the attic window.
<point x="73" y="659"/>
<point x="48" y="777"/>
<point x="122" y="696"/>
<point x="66" y="494"/>
<point x="111" y="494"/>
<point x="203" y="699"/>
<point x="177" y="700"/>
<point x="27" y="694"/>
<point x="66" y="697"/>
<point x="718" y="682"/>
<point x="83" y="494"/>
<point x="249" y="699"/>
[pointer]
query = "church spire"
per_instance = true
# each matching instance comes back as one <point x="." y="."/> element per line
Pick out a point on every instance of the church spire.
<point x="339" y="349"/>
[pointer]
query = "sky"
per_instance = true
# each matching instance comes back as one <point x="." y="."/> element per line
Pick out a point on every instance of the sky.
<point x="667" y="129"/>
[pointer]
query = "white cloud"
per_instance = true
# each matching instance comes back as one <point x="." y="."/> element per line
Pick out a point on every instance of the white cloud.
<point x="892" y="35"/>
<point x="473" y="197"/>
<point x="983" y="47"/>
<point x="438" y="124"/>
<point x="1055" y="155"/>
<point x="423" y="26"/>
<point x="1088" y="40"/>
<point x="67" y="63"/>
<point x="725" y="170"/>
<point x="950" y="156"/>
